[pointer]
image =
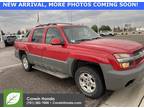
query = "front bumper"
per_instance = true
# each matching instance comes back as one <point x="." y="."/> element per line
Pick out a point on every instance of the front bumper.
<point x="115" y="80"/>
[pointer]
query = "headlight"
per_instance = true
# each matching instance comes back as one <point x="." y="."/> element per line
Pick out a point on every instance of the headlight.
<point x="143" y="50"/>
<point x="123" y="57"/>
<point x="118" y="56"/>
<point x="129" y="60"/>
<point x="124" y="60"/>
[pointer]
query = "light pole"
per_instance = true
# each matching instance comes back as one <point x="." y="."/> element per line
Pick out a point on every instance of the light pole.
<point x="98" y="22"/>
<point x="2" y="44"/>
<point x="38" y="18"/>
<point x="0" y="36"/>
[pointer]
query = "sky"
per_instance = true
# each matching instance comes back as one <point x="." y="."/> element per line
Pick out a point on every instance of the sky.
<point x="12" y="21"/>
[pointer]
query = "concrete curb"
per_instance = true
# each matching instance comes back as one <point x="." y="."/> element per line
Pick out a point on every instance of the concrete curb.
<point x="2" y="44"/>
<point x="127" y="97"/>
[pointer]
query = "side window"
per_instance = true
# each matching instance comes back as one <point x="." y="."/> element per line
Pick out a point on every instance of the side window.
<point x="52" y="33"/>
<point x="37" y="35"/>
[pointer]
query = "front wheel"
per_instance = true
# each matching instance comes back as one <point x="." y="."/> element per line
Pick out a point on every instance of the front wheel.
<point x="26" y="65"/>
<point x="89" y="82"/>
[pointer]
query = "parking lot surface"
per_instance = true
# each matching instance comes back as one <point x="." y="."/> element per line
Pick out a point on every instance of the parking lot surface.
<point x="7" y="57"/>
<point x="12" y="75"/>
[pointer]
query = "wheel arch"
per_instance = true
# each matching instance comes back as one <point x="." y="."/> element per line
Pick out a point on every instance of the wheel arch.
<point x="78" y="63"/>
<point x="21" y="52"/>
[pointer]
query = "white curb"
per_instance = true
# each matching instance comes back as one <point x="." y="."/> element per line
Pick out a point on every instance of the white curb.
<point x="127" y="97"/>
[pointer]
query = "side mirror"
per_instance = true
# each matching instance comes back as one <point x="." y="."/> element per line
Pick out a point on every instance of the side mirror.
<point x="57" y="41"/>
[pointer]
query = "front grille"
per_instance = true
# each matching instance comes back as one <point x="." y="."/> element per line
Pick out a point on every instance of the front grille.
<point x="140" y="54"/>
<point x="137" y="52"/>
<point x="139" y="60"/>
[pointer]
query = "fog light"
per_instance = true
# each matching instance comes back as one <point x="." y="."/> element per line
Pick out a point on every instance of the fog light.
<point x="124" y="65"/>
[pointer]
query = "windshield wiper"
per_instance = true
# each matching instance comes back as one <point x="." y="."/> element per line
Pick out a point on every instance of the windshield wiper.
<point x="83" y="40"/>
<point x="88" y="39"/>
<point x="96" y="38"/>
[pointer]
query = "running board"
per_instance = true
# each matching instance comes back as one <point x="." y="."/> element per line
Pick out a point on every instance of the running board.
<point x="57" y="74"/>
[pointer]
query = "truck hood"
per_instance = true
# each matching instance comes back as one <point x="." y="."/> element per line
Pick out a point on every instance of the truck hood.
<point x="111" y="45"/>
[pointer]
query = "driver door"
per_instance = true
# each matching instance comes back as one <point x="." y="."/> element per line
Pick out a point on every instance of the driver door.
<point x="54" y="56"/>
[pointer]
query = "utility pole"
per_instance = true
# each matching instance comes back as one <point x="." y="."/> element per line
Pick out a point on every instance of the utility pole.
<point x="38" y="18"/>
<point x="98" y="24"/>
<point x="0" y="36"/>
<point x="71" y="17"/>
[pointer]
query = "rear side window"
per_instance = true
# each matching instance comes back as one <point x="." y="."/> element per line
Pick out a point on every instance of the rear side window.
<point x="37" y="35"/>
<point x="52" y="33"/>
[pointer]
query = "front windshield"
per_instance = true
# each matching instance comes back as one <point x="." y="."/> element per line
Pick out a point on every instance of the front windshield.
<point x="79" y="33"/>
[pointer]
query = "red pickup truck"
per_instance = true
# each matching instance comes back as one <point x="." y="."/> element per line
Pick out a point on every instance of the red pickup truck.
<point x="96" y="64"/>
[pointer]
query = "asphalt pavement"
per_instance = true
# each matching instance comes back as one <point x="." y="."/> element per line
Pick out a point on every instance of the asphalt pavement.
<point x="12" y="75"/>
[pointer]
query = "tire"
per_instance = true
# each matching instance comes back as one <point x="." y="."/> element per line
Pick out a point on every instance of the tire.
<point x="6" y="44"/>
<point x="101" y="35"/>
<point x="95" y="83"/>
<point x="111" y="35"/>
<point x="26" y="65"/>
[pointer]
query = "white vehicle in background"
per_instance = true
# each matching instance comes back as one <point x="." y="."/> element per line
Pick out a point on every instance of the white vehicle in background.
<point x="106" y="33"/>
<point x="21" y="36"/>
<point x="9" y="39"/>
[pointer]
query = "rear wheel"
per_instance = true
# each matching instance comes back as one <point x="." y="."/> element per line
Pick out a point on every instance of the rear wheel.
<point x="89" y="82"/>
<point x="26" y="65"/>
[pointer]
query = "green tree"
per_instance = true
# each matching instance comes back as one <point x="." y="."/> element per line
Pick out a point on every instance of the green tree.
<point x="22" y="32"/>
<point x="95" y="28"/>
<point x="18" y="32"/>
<point x="105" y="28"/>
